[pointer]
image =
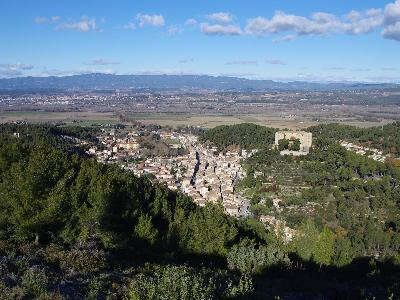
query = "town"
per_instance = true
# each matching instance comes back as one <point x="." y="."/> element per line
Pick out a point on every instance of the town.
<point x="202" y="173"/>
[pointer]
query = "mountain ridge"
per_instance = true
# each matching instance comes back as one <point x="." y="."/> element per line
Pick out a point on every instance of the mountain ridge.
<point x="95" y="81"/>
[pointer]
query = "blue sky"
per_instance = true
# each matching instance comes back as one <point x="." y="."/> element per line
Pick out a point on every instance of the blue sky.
<point x="314" y="40"/>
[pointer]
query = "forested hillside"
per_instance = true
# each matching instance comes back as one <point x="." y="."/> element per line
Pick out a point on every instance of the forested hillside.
<point x="352" y="195"/>
<point x="385" y="138"/>
<point x="246" y="135"/>
<point x="71" y="228"/>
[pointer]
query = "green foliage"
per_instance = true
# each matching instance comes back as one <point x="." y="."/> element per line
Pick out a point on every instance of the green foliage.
<point x="283" y="144"/>
<point x="145" y="229"/>
<point x="295" y="145"/>
<point x="250" y="258"/>
<point x="386" y="138"/>
<point x="305" y="240"/>
<point x="35" y="191"/>
<point x="65" y="216"/>
<point x="324" y="247"/>
<point x="34" y="282"/>
<point x="246" y="135"/>
<point x="243" y="290"/>
<point x="207" y="231"/>
<point x="83" y="260"/>
<point x="173" y="283"/>
<point x="183" y="282"/>
<point x="292" y="145"/>
<point x="96" y="287"/>
<point x="343" y="252"/>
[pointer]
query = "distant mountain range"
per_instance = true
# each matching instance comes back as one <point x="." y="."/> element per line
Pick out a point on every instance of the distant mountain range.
<point x="97" y="81"/>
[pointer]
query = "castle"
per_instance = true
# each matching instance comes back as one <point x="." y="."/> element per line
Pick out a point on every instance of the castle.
<point x="304" y="137"/>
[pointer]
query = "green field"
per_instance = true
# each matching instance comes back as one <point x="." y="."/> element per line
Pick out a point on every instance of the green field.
<point x="174" y="120"/>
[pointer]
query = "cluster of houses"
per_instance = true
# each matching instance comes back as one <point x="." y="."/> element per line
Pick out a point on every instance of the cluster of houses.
<point x="113" y="148"/>
<point x="203" y="174"/>
<point x="212" y="176"/>
<point x="370" y="152"/>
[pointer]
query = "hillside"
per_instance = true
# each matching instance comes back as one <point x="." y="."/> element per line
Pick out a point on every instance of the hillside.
<point x="71" y="227"/>
<point x="245" y="135"/>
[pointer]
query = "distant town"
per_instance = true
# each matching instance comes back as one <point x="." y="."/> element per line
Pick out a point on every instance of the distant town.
<point x="291" y="106"/>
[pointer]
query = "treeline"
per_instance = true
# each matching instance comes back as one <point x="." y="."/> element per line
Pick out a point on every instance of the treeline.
<point x="385" y="138"/>
<point x="246" y="135"/>
<point x="61" y="137"/>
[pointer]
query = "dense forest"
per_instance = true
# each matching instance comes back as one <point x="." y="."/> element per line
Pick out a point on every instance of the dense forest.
<point x="72" y="228"/>
<point x="246" y="135"/>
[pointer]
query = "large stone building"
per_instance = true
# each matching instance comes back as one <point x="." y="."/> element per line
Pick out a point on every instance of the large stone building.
<point x="304" y="137"/>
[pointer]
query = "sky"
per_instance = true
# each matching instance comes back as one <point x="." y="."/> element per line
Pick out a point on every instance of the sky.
<point x="310" y="40"/>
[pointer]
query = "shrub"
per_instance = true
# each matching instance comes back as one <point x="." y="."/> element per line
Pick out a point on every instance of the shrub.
<point x="145" y="229"/>
<point x="83" y="260"/>
<point x="248" y="258"/>
<point x="34" y="281"/>
<point x="324" y="247"/>
<point x="173" y="283"/>
<point x="96" y="286"/>
<point x="245" y="287"/>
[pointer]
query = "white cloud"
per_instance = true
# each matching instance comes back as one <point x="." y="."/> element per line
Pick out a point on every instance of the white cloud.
<point x="392" y="12"/>
<point x="221" y="17"/>
<point x="129" y="26"/>
<point x="45" y="20"/>
<point x="392" y="32"/>
<point x="360" y="70"/>
<point x="235" y="74"/>
<point x="285" y="38"/>
<point x="353" y="16"/>
<point x="218" y="29"/>
<point x="84" y="25"/>
<point x="58" y="72"/>
<point x="392" y="21"/>
<point x="12" y="70"/>
<point x="320" y="23"/>
<point x="152" y="20"/>
<point x="275" y="62"/>
<point x="41" y="20"/>
<point x="191" y="22"/>
<point x="366" y="22"/>
<point x="165" y="72"/>
<point x="17" y="67"/>
<point x="102" y="62"/>
<point x="186" y="60"/>
<point x="242" y="62"/>
<point x="9" y="73"/>
<point x="174" y="29"/>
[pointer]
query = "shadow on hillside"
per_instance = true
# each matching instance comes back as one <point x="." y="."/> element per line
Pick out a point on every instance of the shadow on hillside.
<point x="364" y="278"/>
